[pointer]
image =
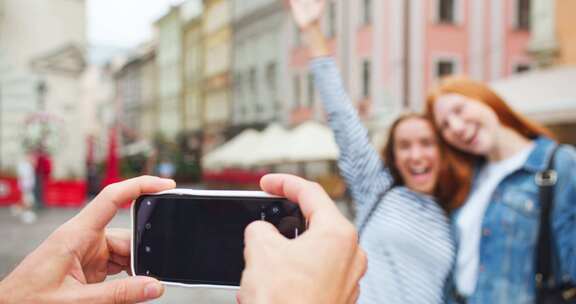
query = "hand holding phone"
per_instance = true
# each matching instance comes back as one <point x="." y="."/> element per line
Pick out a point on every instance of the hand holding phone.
<point x="323" y="265"/>
<point x="195" y="238"/>
<point x="71" y="265"/>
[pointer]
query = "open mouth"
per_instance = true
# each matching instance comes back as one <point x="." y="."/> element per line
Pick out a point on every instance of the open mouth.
<point x="420" y="172"/>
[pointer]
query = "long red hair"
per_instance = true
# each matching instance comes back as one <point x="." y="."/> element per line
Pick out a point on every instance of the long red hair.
<point x="463" y="163"/>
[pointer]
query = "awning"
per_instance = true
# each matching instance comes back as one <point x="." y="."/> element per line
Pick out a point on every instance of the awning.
<point x="228" y="154"/>
<point x="308" y="142"/>
<point x="312" y="141"/>
<point x="548" y="96"/>
<point x="272" y="145"/>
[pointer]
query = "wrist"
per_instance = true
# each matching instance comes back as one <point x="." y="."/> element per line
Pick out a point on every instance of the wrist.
<point x="317" y="43"/>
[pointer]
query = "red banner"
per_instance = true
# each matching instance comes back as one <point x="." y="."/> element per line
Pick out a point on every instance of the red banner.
<point x="9" y="191"/>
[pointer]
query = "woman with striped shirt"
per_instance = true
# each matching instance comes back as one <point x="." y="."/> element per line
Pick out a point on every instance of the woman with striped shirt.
<point x="404" y="231"/>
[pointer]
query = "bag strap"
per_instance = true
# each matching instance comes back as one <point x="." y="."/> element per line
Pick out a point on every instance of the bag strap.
<point x="546" y="180"/>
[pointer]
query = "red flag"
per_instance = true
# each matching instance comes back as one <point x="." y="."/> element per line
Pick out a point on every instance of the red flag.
<point x="112" y="173"/>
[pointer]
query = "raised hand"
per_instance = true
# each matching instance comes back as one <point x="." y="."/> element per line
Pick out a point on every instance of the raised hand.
<point x="322" y="266"/>
<point x="307" y="12"/>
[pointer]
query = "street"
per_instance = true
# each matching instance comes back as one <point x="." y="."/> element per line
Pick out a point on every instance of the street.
<point x="18" y="239"/>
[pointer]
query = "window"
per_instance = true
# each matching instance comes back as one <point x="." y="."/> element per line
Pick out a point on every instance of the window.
<point x="367" y="12"/>
<point x="332" y="19"/>
<point x="444" y="68"/>
<point x="297" y="36"/>
<point x="521" y="68"/>
<point x="254" y="88"/>
<point x="523" y="14"/>
<point x="446" y="11"/>
<point x="272" y="86"/>
<point x="297" y="91"/>
<point x="366" y="78"/>
<point x="310" y="99"/>
<point x="238" y="93"/>
<point x="238" y="84"/>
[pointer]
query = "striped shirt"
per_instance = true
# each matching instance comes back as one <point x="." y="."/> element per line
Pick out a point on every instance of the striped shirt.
<point x="407" y="237"/>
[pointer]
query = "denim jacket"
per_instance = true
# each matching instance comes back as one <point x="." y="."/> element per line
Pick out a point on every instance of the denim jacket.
<point x="510" y="228"/>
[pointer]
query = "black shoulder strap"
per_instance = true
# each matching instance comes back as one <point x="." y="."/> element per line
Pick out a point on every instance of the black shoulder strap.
<point x="546" y="180"/>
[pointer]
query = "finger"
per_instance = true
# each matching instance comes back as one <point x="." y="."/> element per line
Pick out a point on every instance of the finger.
<point x="98" y="213"/>
<point x="119" y="241"/>
<point x="315" y="204"/>
<point x="128" y="290"/>
<point x="355" y="295"/>
<point x="120" y="260"/>
<point x="257" y="236"/>
<point x="113" y="268"/>
<point x="362" y="261"/>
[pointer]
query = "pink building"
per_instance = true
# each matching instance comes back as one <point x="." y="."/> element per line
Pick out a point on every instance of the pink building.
<point x="391" y="52"/>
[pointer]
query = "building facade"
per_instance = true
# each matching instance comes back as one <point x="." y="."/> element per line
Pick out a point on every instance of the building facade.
<point x="217" y="65"/>
<point x="137" y="95"/>
<point x="193" y="74"/>
<point x="260" y="63"/>
<point x="553" y="43"/>
<point x="392" y="51"/>
<point x="169" y="63"/>
<point x="42" y="58"/>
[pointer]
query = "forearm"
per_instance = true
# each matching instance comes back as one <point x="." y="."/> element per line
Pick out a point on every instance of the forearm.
<point x="359" y="162"/>
<point x="316" y="41"/>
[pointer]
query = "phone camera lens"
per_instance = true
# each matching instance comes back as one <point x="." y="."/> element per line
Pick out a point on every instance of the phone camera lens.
<point x="147" y="249"/>
<point x="148" y="226"/>
<point x="275" y="210"/>
<point x="148" y="203"/>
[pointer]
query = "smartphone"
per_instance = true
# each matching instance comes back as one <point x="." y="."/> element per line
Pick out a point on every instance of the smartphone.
<point x="195" y="238"/>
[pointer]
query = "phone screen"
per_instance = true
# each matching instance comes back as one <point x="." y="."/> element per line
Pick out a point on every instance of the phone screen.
<point x="200" y="239"/>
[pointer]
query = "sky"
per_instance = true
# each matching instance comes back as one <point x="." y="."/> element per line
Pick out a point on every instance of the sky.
<point x="123" y="23"/>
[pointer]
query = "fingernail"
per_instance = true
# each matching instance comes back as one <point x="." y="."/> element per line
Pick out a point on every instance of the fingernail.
<point x="167" y="180"/>
<point x="153" y="290"/>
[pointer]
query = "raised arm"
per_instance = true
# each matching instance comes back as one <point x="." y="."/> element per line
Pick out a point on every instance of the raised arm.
<point x="359" y="162"/>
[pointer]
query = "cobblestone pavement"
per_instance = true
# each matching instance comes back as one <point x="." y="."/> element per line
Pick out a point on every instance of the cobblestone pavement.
<point x="18" y="239"/>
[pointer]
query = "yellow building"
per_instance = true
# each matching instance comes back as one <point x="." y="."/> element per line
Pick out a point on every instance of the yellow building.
<point x="169" y="64"/>
<point x="217" y="65"/>
<point x="193" y="74"/>
<point x="566" y="31"/>
<point x="553" y="43"/>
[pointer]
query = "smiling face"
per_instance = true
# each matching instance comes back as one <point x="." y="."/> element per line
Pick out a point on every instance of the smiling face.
<point x="466" y="123"/>
<point x="417" y="154"/>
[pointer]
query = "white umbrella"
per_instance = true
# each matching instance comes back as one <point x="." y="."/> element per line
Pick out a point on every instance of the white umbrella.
<point x="548" y="96"/>
<point x="272" y="145"/>
<point x="229" y="153"/>
<point x="312" y="141"/>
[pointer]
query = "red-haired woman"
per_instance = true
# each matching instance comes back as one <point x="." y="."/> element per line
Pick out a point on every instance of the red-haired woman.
<point x="497" y="229"/>
<point x="404" y="230"/>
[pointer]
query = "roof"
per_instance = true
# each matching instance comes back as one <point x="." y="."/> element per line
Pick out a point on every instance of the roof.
<point x="548" y="96"/>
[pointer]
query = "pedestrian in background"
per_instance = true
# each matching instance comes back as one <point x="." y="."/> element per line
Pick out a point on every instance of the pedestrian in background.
<point x="43" y="171"/>
<point x="26" y="183"/>
<point x="499" y="228"/>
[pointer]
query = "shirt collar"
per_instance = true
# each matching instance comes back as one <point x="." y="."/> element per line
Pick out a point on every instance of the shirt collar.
<point x="538" y="159"/>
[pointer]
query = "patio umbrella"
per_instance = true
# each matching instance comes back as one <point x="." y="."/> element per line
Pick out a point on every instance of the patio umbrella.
<point x="312" y="141"/>
<point x="548" y="96"/>
<point x="228" y="153"/>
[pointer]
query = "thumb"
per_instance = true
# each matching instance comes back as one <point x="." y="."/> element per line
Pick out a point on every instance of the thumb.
<point x="260" y="238"/>
<point x="261" y="231"/>
<point x="128" y="290"/>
